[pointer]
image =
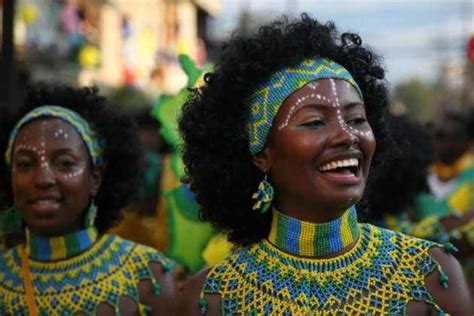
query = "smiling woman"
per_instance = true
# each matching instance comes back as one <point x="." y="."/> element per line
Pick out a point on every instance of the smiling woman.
<point x="72" y="162"/>
<point x="278" y="144"/>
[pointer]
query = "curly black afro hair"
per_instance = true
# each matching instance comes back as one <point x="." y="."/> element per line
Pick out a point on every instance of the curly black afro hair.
<point x="213" y="123"/>
<point x="402" y="176"/>
<point x="123" y="151"/>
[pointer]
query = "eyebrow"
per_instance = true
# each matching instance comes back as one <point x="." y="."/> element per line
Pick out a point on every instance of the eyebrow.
<point x="59" y="151"/>
<point x="351" y="105"/>
<point x="324" y="106"/>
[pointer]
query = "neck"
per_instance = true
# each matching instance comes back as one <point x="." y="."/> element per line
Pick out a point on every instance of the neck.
<point x="314" y="239"/>
<point x="59" y="247"/>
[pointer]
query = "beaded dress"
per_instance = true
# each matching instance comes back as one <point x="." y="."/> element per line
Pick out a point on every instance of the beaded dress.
<point x="281" y="275"/>
<point x="75" y="273"/>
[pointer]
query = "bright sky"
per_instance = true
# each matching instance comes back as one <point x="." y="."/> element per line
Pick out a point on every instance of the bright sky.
<point x="414" y="36"/>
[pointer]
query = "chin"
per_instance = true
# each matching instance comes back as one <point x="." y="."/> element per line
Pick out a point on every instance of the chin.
<point x="44" y="227"/>
<point x="343" y="203"/>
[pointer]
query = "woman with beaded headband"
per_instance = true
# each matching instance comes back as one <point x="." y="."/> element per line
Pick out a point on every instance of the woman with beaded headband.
<point x="72" y="163"/>
<point x="278" y="144"/>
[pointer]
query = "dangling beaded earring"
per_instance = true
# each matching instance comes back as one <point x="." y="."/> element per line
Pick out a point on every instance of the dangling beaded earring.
<point x="91" y="215"/>
<point x="263" y="196"/>
<point x="10" y="221"/>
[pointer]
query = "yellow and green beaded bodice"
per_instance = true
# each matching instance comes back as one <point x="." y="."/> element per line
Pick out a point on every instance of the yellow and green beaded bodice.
<point x="381" y="274"/>
<point x="110" y="269"/>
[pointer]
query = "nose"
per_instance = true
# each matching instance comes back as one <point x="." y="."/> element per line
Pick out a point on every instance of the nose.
<point x="343" y="136"/>
<point x="45" y="177"/>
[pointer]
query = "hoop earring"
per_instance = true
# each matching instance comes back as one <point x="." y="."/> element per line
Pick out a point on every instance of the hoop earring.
<point x="91" y="215"/>
<point x="263" y="196"/>
<point x="10" y="221"/>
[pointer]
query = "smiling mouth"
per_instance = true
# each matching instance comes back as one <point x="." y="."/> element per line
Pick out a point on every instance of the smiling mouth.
<point x="342" y="167"/>
<point x="45" y="205"/>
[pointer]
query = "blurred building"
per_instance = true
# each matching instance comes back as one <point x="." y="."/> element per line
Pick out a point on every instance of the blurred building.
<point x="111" y="43"/>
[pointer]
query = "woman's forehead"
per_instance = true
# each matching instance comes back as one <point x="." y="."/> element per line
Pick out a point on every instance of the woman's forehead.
<point x="325" y="90"/>
<point x="46" y="124"/>
<point x="48" y="129"/>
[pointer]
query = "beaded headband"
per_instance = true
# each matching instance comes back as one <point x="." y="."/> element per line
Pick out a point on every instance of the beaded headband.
<point x="80" y="125"/>
<point x="263" y="104"/>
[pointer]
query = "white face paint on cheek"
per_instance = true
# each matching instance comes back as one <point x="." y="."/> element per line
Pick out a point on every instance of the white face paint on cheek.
<point x="75" y="174"/>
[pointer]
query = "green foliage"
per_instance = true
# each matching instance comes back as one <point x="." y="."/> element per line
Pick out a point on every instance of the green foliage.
<point x="418" y="98"/>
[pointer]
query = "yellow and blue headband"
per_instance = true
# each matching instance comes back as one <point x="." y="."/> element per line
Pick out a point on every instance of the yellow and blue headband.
<point x="263" y="104"/>
<point x="80" y="125"/>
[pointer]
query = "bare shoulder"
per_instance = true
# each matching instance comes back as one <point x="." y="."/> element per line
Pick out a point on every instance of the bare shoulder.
<point x="160" y="295"/>
<point x="190" y="301"/>
<point x="454" y="299"/>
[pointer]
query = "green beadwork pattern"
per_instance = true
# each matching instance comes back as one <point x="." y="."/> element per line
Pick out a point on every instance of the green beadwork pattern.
<point x="110" y="269"/>
<point x="379" y="275"/>
<point x="264" y="102"/>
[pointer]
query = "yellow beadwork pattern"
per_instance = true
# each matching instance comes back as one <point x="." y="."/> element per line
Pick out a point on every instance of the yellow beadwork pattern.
<point x="110" y="269"/>
<point x="379" y="275"/>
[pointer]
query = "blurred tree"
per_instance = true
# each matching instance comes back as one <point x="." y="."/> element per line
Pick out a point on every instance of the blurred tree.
<point x="418" y="98"/>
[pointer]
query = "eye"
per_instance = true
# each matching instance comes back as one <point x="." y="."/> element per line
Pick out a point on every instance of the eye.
<point x="315" y="123"/>
<point x="65" y="163"/>
<point x="359" y="120"/>
<point x="23" y="165"/>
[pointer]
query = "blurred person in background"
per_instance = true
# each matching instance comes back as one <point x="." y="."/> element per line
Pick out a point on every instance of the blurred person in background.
<point x="72" y="162"/>
<point x="415" y="209"/>
<point x="165" y="213"/>
<point x="406" y="173"/>
<point x="278" y="144"/>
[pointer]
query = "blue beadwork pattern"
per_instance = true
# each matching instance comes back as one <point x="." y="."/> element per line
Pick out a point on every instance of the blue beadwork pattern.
<point x="110" y="269"/>
<point x="83" y="128"/>
<point x="264" y="102"/>
<point x="380" y="275"/>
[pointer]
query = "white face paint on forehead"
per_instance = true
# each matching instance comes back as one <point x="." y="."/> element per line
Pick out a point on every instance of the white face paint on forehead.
<point x="352" y="132"/>
<point x="46" y="136"/>
<point x="302" y="99"/>
<point x="61" y="133"/>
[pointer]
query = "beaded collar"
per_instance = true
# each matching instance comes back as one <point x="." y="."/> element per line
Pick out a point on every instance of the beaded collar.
<point x="313" y="239"/>
<point x="59" y="247"/>
<point x="380" y="275"/>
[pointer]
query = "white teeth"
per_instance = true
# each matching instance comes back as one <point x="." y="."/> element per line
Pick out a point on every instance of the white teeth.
<point x="340" y="163"/>
<point x="46" y="202"/>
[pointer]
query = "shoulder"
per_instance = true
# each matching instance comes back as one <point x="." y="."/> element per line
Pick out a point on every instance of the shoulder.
<point x="448" y="284"/>
<point x="191" y="301"/>
<point x="400" y="240"/>
<point x="157" y="287"/>
<point x="142" y="253"/>
<point x="443" y="275"/>
<point x="202" y="292"/>
<point x="9" y="261"/>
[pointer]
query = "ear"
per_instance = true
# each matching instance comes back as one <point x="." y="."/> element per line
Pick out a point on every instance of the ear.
<point x="262" y="160"/>
<point x="97" y="173"/>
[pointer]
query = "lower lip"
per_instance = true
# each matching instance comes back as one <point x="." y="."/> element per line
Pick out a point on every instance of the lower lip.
<point x="342" y="179"/>
<point x="45" y="208"/>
